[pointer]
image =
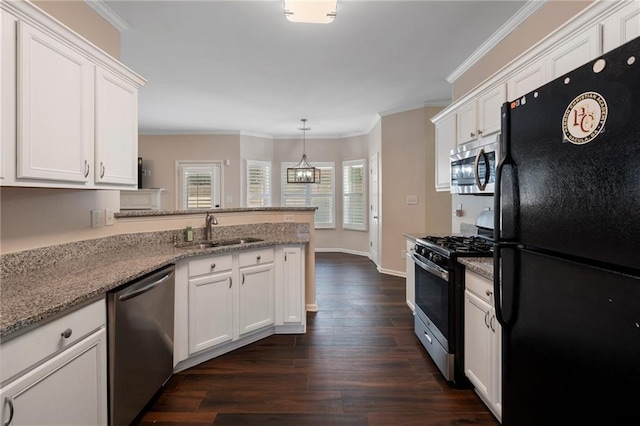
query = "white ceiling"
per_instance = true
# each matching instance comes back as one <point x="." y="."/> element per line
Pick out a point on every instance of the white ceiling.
<point x="231" y="66"/>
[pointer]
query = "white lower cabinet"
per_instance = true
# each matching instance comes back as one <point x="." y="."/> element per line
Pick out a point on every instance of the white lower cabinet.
<point x="210" y="304"/>
<point x="411" y="276"/>
<point x="226" y="301"/>
<point x="291" y="302"/>
<point x="482" y="342"/>
<point x="257" y="290"/>
<point x="67" y="387"/>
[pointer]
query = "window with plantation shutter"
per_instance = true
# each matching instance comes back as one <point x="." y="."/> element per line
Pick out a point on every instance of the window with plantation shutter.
<point x="198" y="185"/>
<point x="320" y="195"/>
<point x="258" y="183"/>
<point x="354" y="175"/>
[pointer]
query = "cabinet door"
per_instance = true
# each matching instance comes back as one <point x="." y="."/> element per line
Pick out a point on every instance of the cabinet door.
<point x="477" y="341"/>
<point x="293" y="286"/>
<point x="621" y="27"/>
<point x="489" y="110"/>
<point x="445" y="142"/>
<point x="411" y="277"/>
<point x="210" y="311"/>
<point x="573" y="53"/>
<point x="496" y="364"/>
<point x="69" y="389"/>
<point x="55" y="109"/>
<point x="116" y="130"/>
<point x="525" y="80"/>
<point x="257" y="297"/>
<point x="467" y="122"/>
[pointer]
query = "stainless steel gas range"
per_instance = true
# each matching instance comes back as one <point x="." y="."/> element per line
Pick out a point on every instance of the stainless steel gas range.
<point x="439" y="293"/>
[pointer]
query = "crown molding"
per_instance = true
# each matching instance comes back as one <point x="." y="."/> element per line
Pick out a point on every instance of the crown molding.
<point x="525" y="12"/>
<point x="108" y="14"/>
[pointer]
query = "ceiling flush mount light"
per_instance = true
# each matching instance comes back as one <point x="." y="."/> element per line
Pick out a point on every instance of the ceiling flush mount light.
<point x="303" y="172"/>
<point x="310" y="11"/>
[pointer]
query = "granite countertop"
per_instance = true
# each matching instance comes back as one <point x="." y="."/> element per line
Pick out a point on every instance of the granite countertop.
<point x="35" y="295"/>
<point x="480" y="265"/>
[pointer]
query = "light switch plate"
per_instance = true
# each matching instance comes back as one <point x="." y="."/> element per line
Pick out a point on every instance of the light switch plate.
<point x="412" y="199"/>
<point x="96" y="218"/>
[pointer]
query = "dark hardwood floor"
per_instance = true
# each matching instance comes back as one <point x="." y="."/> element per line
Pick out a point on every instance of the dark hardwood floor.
<point x="358" y="364"/>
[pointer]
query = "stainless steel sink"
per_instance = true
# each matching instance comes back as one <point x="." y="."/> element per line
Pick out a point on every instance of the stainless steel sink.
<point x="221" y="243"/>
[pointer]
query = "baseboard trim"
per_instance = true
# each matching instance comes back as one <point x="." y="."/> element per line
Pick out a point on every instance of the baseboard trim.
<point x="342" y="250"/>
<point x="400" y="274"/>
<point x="312" y="307"/>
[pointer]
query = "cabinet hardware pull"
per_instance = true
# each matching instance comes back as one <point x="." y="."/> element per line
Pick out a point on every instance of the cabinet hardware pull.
<point x="86" y="168"/>
<point x="488" y="293"/>
<point x="243" y="279"/>
<point x="230" y="282"/>
<point x="102" y="168"/>
<point x="479" y="132"/>
<point x="9" y="400"/>
<point x="486" y="319"/>
<point x="213" y="266"/>
<point x="427" y="336"/>
<point x="285" y="257"/>
<point x="67" y="333"/>
<point x="258" y="258"/>
<point x="493" y="317"/>
<point x="473" y="135"/>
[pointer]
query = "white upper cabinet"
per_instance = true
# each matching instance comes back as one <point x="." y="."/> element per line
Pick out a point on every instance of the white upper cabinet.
<point x="621" y="27"/>
<point x="69" y="110"/>
<point x="445" y="142"/>
<point x="55" y="109"/>
<point x="116" y="130"/>
<point x="481" y="116"/>
<point x="467" y="123"/>
<point x="489" y="107"/>
<point x="573" y="53"/>
<point x="525" y="80"/>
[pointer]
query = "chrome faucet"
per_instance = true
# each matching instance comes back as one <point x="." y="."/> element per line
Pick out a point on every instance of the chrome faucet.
<point x="209" y="220"/>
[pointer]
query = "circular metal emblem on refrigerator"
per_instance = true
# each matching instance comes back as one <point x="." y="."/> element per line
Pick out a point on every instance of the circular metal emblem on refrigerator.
<point x="584" y="118"/>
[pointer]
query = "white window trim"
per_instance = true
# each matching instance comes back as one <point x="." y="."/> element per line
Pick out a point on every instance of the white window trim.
<point x="178" y="179"/>
<point x="349" y="226"/>
<point x="308" y="195"/>
<point x="258" y="163"/>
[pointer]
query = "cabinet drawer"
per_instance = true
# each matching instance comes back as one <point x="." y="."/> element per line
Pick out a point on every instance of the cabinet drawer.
<point x="256" y="257"/>
<point x="210" y="264"/>
<point x="30" y="348"/>
<point x="479" y="286"/>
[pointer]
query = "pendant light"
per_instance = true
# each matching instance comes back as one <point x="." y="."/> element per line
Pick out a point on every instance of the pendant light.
<point x="303" y="172"/>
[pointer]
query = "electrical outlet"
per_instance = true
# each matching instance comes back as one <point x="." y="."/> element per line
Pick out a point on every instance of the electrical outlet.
<point x="228" y="199"/>
<point x="96" y="218"/>
<point x="289" y="218"/>
<point x="148" y="172"/>
<point x="108" y="218"/>
<point x="403" y="254"/>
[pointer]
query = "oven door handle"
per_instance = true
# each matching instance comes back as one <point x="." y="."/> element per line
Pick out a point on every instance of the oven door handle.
<point x="430" y="267"/>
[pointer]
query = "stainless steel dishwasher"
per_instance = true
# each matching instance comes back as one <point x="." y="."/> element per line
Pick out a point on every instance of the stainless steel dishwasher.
<point x="140" y="342"/>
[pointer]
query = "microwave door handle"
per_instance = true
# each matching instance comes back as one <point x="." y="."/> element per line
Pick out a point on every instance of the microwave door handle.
<point x="482" y="154"/>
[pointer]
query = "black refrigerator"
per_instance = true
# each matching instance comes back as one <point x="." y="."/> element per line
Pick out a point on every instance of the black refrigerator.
<point x="567" y="257"/>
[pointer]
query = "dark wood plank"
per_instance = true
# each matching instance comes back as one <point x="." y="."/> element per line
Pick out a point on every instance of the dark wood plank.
<point x="266" y="401"/>
<point x="290" y="419"/>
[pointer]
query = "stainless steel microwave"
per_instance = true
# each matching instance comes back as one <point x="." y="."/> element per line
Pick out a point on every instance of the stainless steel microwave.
<point x="473" y="166"/>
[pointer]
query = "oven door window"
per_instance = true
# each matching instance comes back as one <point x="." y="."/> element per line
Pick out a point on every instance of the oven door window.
<point x="432" y="297"/>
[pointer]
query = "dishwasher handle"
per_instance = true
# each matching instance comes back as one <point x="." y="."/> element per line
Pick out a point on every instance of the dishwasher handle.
<point x="146" y="288"/>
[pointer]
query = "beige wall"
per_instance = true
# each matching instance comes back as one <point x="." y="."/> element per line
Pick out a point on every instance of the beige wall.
<point x="85" y="21"/>
<point x="160" y="152"/>
<point x="543" y="22"/>
<point x="407" y="168"/>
